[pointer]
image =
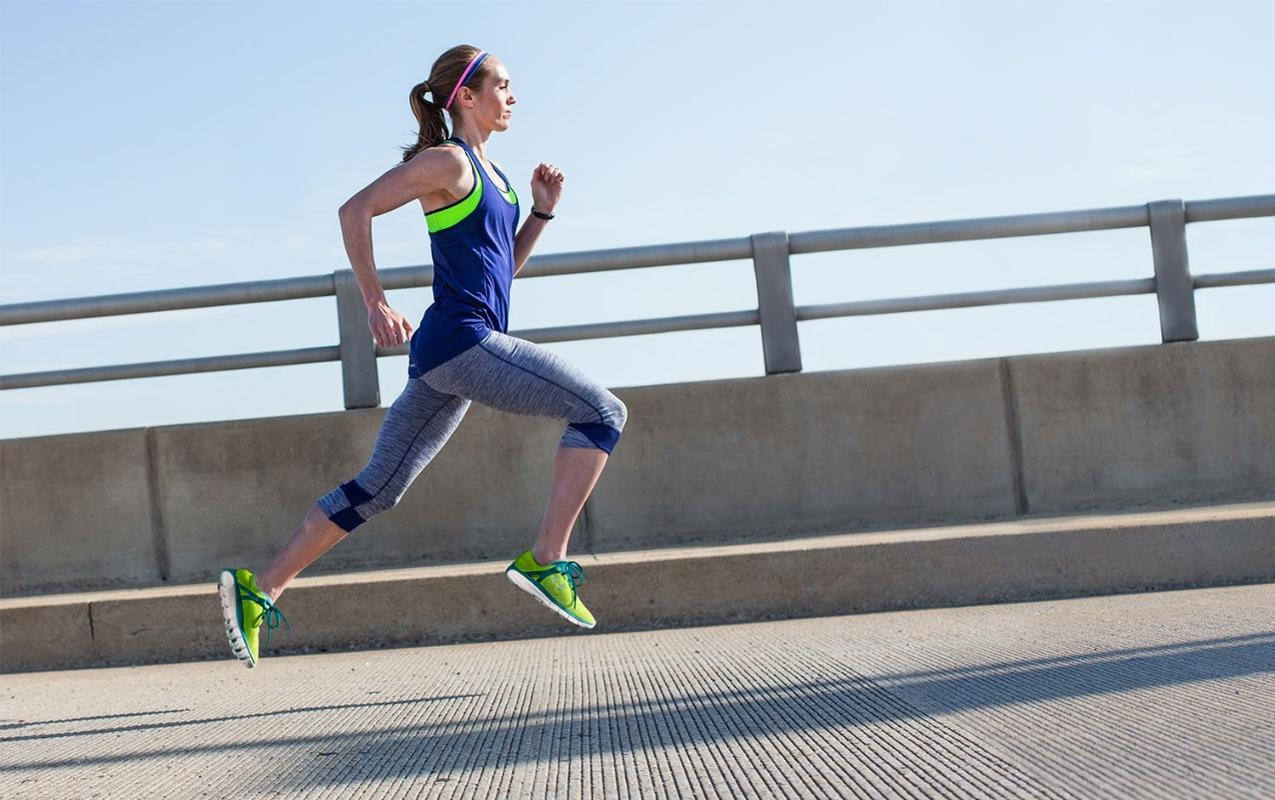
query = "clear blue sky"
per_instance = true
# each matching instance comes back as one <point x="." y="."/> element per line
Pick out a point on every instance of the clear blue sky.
<point x="155" y="145"/>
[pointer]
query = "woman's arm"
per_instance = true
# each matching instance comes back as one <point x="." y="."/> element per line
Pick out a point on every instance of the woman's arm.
<point x="526" y="239"/>
<point x="546" y="188"/>
<point x="431" y="170"/>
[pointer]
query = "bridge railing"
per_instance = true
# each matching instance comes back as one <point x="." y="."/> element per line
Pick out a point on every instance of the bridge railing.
<point x="1172" y="283"/>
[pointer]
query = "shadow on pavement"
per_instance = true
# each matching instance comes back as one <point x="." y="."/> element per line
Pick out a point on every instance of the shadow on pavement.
<point x="208" y="720"/>
<point x="846" y="699"/>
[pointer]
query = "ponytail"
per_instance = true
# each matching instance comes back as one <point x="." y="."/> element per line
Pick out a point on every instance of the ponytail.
<point x="433" y="126"/>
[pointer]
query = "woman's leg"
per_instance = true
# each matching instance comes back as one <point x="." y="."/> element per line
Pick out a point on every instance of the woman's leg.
<point x="575" y="472"/>
<point x="521" y="377"/>
<point x="315" y="536"/>
<point x="415" y="428"/>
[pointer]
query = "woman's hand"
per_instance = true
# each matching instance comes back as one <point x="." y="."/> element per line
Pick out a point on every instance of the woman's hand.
<point x="389" y="328"/>
<point x="546" y="187"/>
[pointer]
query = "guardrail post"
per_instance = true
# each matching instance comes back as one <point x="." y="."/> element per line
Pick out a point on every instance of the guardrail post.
<point x="779" y="342"/>
<point x="358" y="351"/>
<point x="1173" y="285"/>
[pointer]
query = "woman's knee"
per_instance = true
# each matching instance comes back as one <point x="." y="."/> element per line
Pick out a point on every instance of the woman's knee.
<point x="603" y="433"/>
<point x="619" y="412"/>
<point x="350" y="505"/>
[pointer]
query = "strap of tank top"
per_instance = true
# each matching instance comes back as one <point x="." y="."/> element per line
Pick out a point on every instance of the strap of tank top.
<point x="473" y="161"/>
<point x="509" y="187"/>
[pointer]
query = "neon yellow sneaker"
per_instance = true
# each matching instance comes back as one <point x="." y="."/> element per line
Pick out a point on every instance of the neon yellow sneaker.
<point x="552" y="584"/>
<point x="244" y="607"/>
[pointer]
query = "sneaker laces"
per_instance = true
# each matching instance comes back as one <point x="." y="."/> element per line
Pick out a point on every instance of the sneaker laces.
<point x="271" y="615"/>
<point x="571" y="570"/>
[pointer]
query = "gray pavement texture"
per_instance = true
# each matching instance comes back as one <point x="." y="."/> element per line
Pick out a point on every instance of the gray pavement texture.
<point x="1166" y="694"/>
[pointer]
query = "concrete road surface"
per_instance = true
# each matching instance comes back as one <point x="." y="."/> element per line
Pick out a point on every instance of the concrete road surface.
<point x="1168" y="694"/>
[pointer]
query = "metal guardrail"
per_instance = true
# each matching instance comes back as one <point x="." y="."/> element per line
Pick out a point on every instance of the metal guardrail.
<point x="776" y="313"/>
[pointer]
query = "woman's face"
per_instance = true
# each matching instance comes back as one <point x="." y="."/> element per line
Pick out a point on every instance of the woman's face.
<point x="493" y="103"/>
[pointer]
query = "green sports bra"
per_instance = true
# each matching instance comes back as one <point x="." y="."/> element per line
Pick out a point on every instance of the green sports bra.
<point x="449" y="215"/>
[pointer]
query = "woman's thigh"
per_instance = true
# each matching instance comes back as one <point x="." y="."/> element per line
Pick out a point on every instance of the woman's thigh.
<point x="521" y="377"/>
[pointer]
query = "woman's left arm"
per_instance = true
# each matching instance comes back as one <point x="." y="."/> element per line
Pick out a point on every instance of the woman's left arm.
<point x="546" y="188"/>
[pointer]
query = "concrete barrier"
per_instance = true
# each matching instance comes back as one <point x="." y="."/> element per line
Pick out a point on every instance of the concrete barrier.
<point x="731" y="460"/>
<point x="805" y="453"/>
<point x="75" y="512"/>
<point x="1177" y="423"/>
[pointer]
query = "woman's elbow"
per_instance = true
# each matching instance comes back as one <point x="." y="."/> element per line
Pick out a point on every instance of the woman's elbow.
<point x="357" y="207"/>
<point x="348" y="209"/>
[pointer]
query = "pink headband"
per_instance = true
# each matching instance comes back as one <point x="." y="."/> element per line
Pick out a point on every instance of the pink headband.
<point x="470" y="67"/>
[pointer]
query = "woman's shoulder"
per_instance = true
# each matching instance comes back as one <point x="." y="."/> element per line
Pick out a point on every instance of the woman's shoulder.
<point x="447" y="146"/>
<point x="455" y="153"/>
<point x="438" y="169"/>
<point x="445" y="156"/>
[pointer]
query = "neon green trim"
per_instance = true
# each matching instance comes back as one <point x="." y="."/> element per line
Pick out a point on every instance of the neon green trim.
<point x="444" y="218"/>
<point x="510" y="196"/>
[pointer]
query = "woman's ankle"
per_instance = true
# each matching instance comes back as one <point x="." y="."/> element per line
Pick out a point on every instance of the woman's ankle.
<point x="548" y="559"/>
<point x="268" y="589"/>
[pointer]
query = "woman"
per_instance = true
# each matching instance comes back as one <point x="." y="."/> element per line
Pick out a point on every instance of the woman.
<point x="461" y="351"/>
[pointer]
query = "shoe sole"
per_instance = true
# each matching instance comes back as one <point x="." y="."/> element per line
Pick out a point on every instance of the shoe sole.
<point x="228" y="594"/>
<point x="522" y="582"/>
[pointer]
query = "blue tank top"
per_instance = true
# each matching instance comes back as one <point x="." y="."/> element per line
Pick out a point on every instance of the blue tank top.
<point x="472" y="243"/>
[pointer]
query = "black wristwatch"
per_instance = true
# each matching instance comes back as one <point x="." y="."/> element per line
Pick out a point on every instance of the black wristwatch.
<point x="540" y="214"/>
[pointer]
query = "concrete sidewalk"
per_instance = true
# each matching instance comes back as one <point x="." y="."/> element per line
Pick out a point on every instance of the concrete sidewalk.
<point x="1164" y="694"/>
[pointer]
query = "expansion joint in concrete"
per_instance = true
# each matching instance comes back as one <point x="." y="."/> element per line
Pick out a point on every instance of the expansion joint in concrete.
<point x="1015" y="435"/>
<point x="159" y="533"/>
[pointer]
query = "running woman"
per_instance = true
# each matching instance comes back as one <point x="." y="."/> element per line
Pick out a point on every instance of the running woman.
<point x="461" y="352"/>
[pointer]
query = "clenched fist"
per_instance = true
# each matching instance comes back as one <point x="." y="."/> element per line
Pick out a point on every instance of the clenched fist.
<point x="546" y="187"/>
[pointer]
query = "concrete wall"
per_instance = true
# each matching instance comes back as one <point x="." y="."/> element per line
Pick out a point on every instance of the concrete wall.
<point x="741" y="459"/>
<point x="1181" y="423"/>
<point x="806" y="453"/>
<point x="75" y="511"/>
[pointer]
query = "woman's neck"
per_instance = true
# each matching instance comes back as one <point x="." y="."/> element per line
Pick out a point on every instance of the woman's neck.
<point x="475" y="138"/>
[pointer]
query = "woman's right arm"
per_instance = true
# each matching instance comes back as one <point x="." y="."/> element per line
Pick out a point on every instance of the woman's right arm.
<point x="436" y="169"/>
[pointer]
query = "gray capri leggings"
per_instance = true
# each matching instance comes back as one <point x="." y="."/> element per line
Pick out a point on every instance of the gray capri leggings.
<point x="503" y="372"/>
